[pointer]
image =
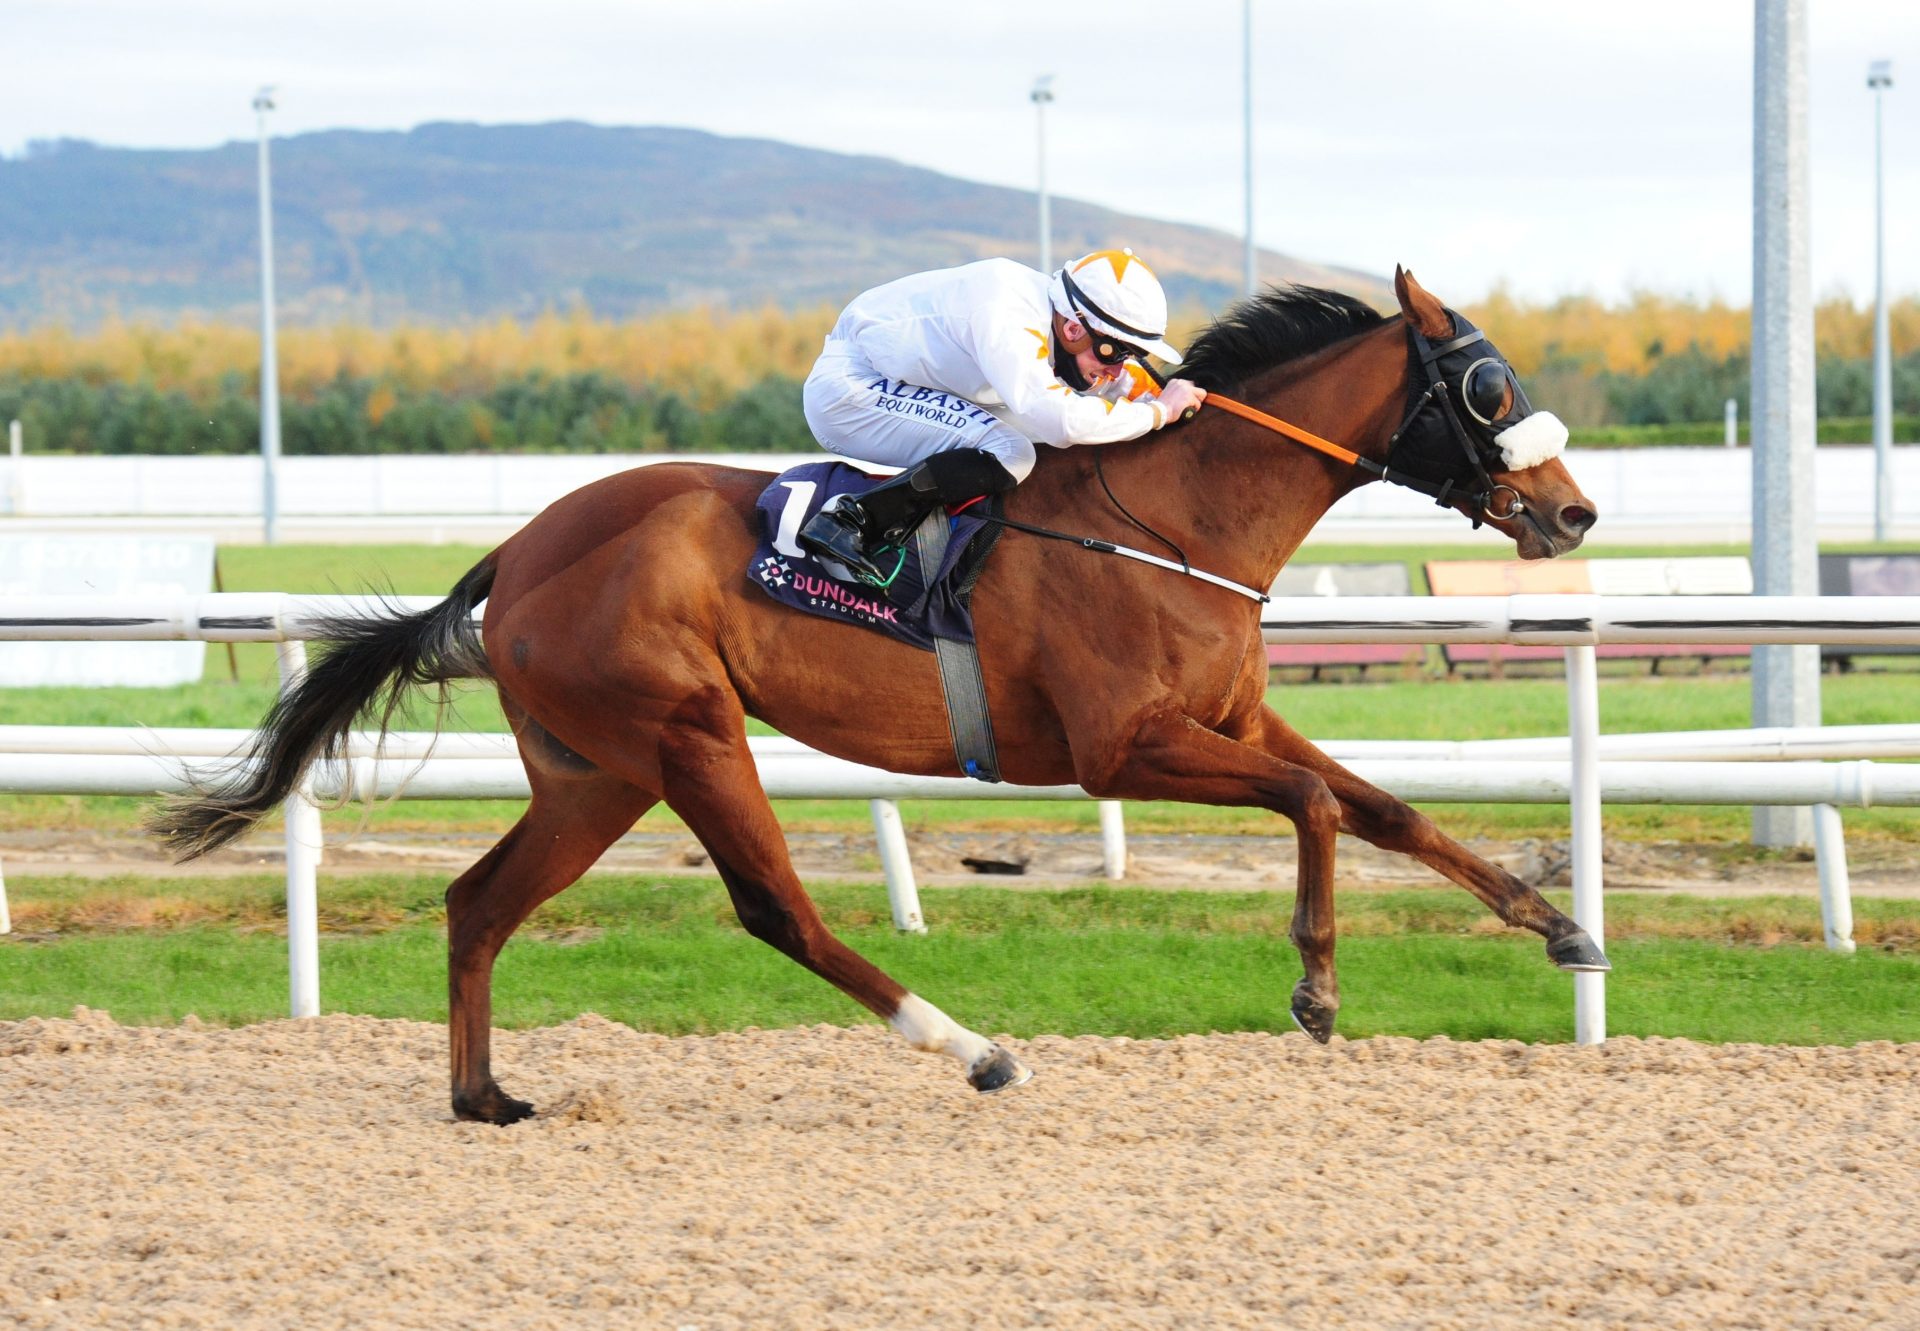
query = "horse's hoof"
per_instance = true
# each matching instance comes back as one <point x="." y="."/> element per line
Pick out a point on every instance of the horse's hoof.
<point x="996" y="1071"/>
<point x="492" y="1105"/>
<point x="1576" y="952"/>
<point x="1315" y="1019"/>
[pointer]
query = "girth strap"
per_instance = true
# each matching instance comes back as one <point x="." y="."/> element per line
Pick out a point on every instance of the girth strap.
<point x="961" y="682"/>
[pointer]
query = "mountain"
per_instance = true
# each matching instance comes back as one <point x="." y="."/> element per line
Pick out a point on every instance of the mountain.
<point x="457" y="222"/>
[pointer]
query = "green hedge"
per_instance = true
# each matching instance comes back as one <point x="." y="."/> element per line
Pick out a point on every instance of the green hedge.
<point x="534" y="413"/>
<point x="587" y="413"/>
<point x="1832" y="430"/>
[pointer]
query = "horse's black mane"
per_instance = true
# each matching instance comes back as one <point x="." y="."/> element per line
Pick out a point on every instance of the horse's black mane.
<point x="1279" y="324"/>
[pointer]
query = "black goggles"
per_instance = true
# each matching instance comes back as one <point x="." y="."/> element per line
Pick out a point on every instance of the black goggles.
<point x="1109" y="352"/>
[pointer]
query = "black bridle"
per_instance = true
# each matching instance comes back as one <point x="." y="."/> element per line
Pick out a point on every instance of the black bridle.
<point x="1419" y="440"/>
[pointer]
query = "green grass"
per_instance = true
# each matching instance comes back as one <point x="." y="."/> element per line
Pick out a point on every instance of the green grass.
<point x="667" y="955"/>
<point x="1144" y="983"/>
<point x="66" y="906"/>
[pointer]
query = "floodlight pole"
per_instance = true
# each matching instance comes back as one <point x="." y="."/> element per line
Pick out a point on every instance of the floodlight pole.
<point x="1042" y="94"/>
<point x="1880" y="78"/>
<point x="269" y="358"/>
<point x="16" y="474"/>
<point x="1246" y="86"/>
<point x="1786" y="680"/>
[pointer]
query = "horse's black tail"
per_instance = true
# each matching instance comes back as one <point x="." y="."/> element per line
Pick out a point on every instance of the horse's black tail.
<point x="375" y="660"/>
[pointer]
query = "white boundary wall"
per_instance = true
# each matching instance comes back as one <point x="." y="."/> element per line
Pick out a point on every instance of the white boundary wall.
<point x="1706" y="493"/>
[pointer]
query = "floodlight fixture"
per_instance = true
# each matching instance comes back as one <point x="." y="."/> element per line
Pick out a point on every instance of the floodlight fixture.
<point x="1041" y="95"/>
<point x="269" y="356"/>
<point x="1879" y="79"/>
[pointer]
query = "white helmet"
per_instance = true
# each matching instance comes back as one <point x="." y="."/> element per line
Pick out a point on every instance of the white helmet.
<point x="1112" y="292"/>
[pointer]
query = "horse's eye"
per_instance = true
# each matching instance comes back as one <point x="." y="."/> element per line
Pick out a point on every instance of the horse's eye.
<point x="1484" y="389"/>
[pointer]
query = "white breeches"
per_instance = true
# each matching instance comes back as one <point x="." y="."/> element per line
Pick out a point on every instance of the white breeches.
<point x="859" y="413"/>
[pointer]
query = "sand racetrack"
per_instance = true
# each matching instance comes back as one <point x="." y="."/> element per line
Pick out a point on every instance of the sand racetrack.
<point x="307" y="1174"/>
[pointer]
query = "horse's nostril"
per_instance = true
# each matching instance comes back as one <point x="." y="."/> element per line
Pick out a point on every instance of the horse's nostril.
<point x="1577" y="518"/>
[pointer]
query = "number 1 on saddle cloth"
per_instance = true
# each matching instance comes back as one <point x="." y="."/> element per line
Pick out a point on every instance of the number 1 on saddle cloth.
<point x="906" y="608"/>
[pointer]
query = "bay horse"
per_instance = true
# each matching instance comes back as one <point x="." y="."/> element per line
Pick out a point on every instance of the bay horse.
<point x="629" y="648"/>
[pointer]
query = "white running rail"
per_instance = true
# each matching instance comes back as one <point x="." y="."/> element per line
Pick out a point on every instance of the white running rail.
<point x="1577" y="622"/>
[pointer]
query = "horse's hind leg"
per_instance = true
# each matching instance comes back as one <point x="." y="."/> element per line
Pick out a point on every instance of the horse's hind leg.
<point x="1391" y="824"/>
<point x="570" y="822"/>
<point x="708" y="778"/>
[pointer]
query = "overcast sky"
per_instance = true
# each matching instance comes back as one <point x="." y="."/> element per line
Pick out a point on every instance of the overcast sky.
<point x="1556" y="147"/>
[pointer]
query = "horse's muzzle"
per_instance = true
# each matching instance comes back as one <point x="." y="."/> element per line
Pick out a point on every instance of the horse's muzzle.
<point x="1543" y="532"/>
<point x="1564" y="529"/>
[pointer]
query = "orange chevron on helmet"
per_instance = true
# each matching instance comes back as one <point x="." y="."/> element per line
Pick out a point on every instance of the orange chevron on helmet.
<point x="1114" y="293"/>
<point x="1119" y="260"/>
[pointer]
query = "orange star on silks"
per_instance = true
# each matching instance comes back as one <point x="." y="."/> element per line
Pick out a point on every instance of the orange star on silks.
<point x="1118" y="258"/>
<point x="1042" y="353"/>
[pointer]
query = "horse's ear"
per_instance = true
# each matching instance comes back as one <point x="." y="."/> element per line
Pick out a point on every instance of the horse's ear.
<point x="1423" y="311"/>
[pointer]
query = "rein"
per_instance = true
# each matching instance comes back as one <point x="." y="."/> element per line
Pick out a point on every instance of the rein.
<point x="1442" y="494"/>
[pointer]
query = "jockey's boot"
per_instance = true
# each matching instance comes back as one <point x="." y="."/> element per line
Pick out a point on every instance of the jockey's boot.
<point x="856" y="530"/>
<point x="853" y="531"/>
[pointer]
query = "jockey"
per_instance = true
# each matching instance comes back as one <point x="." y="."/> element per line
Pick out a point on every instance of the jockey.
<point x="953" y="375"/>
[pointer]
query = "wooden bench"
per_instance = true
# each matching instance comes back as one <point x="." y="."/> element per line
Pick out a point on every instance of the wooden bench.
<point x="1703" y="575"/>
<point x="1303" y="580"/>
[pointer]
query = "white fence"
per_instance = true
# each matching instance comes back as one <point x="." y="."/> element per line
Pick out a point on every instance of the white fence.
<point x="1576" y="622"/>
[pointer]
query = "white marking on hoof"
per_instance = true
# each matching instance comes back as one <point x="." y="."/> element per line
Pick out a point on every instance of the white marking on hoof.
<point x="925" y="1026"/>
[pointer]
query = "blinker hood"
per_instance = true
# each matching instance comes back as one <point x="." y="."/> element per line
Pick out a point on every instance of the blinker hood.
<point x="1525" y="438"/>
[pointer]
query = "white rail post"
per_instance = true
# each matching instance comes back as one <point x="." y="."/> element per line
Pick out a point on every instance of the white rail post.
<point x="1583" y="730"/>
<point x="303" y="863"/>
<point x="1836" y="893"/>
<point x="1113" y="839"/>
<point x="903" y="894"/>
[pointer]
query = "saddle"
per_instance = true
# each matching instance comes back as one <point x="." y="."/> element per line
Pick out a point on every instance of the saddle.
<point x="928" y="603"/>
<point x="928" y="600"/>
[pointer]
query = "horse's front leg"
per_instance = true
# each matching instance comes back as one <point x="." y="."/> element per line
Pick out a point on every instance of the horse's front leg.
<point x="711" y="781"/>
<point x="1391" y="824"/>
<point x="1175" y="758"/>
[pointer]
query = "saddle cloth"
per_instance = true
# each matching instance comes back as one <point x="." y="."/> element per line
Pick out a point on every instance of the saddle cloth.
<point x="909" y="609"/>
